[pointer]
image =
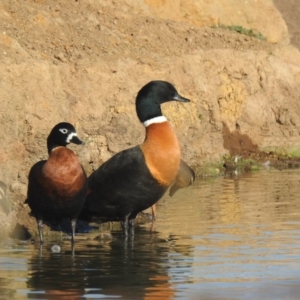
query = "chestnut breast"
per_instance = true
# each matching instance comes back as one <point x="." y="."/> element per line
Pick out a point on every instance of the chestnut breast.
<point x="162" y="152"/>
<point x="62" y="174"/>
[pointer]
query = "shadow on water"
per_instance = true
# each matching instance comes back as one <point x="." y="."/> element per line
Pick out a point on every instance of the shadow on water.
<point x="235" y="237"/>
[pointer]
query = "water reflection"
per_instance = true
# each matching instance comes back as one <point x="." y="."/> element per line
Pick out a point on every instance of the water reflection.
<point x="223" y="238"/>
<point x="132" y="269"/>
<point x="245" y="231"/>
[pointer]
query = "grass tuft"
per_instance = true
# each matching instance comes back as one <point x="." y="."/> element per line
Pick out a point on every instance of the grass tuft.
<point x="242" y="30"/>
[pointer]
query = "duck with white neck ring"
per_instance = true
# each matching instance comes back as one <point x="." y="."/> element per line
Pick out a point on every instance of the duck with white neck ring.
<point x="136" y="178"/>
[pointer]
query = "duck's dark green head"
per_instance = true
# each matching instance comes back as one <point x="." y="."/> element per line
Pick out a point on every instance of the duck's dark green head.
<point x="62" y="134"/>
<point x="152" y="95"/>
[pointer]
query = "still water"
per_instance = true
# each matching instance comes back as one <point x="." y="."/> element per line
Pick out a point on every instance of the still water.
<point x="223" y="238"/>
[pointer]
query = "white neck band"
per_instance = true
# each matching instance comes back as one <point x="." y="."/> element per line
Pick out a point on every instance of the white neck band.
<point x="159" y="119"/>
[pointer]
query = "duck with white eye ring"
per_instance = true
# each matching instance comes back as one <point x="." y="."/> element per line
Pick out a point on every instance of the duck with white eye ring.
<point x="57" y="187"/>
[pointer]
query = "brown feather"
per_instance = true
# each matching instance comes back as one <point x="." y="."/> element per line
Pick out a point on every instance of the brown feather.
<point x="185" y="177"/>
<point x="162" y="152"/>
<point x="62" y="174"/>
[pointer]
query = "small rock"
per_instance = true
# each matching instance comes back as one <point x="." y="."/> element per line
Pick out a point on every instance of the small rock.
<point x="60" y="56"/>
<point x="55" y="249"/>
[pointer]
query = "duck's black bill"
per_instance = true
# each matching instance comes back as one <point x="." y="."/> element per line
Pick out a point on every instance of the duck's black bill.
<point x="76" y="141"/>
<point x="177" y="97"/>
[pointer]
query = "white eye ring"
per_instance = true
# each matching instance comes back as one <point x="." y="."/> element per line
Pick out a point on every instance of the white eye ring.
<point x="63" y="130"/>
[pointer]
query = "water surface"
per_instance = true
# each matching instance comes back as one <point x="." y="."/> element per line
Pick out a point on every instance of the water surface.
<point x="223" y="238"/>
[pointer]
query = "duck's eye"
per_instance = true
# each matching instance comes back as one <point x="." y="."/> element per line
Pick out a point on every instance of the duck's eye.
<point x="63" y="130"/>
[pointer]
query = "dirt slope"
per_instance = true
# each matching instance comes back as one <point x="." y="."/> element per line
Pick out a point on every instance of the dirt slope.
<point x="84" y="61"/>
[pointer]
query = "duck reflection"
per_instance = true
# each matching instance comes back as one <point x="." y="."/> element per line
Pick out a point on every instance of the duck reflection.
<point x="136" y="268"/>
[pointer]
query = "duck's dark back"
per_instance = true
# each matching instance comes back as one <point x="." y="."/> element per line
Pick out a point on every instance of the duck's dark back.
<point x="123" y="186"/>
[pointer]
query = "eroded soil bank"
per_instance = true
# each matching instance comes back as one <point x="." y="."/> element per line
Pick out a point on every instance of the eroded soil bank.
<point x="84" y="62"/>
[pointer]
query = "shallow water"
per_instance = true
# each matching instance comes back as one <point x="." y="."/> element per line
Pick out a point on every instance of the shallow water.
<point x="223" y="238"/>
